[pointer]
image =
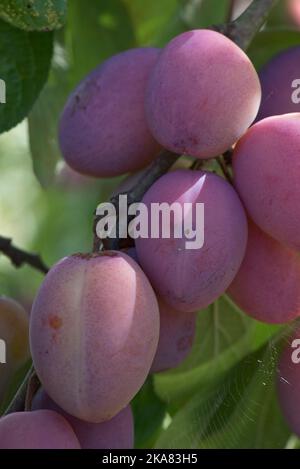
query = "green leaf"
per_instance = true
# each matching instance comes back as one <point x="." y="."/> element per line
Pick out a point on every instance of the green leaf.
<point x="97" y="30"/>
<point x="240" y="412"/>
<point x="270" y="42"/>
<point x="224" y="335"/>
<point x="43" y="120"/>
<point x="206" y="13"/>
<point x="149" y="412"/>
<point x="34" y="15"/>
<point x="24" y="65"/>
<point x="279" y="16"/>
<point x="155" y="25"/>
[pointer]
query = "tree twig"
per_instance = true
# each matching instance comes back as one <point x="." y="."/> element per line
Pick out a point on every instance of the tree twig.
<point x="160" y="166"/>
<point x="19" y="257"/>
<point x="244" y="28"/>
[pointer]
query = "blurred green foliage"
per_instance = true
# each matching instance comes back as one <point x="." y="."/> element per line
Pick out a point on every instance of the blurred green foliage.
<point x="223" y="394"/>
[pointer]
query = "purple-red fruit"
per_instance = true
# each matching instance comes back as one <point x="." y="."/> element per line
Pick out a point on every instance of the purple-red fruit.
<point x="40" y="429"/>
<point x="117" y="433"/>
<point x="266" y="169"/>
<point x="103" y="130"/>
<point x="280" y="83"/>
<point x="177" y="332"/>
<point x="267" y="284"/>
<point x="94" y="331"/>
<point x="185" y="272"/>
<point x="288" y="382"/>
<point x="202" y="95"/>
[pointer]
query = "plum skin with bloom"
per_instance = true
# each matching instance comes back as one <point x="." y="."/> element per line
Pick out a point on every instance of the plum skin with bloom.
<point x="176" y="337"/>
<point x="266" y="170"/>
<point x="102" y="129"/>
<point x="94" y="330"/>
<point x="191" y="279"/>
<point x="117" y="433"/>
<point x="40" y="429"/>
<point x="266" y="286"/>
<point x="202" y="95"/>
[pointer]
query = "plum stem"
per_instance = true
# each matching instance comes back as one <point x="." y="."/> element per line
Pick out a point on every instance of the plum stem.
<point x="160" y="166"/>
<point x="19" y="257"/>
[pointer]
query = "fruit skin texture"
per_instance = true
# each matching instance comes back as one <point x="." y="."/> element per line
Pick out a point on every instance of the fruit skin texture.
<point x="14" y="330"/>
<point x="276" y="79"/>
<point x="266" y="168"/>
<point x="40" y="429"/>
<point x="177" y="333"/>
<point x="191" y="279"/>
<point x="288" y="385"/>
<point x="103" y="130"/>
<point x="117" y="433"/>
<point x="94" y="331"/>
<point x="202" y="95"/>
<point x="267" y="284"/>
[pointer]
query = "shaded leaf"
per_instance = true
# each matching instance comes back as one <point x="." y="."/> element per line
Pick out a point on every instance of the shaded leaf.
<point x="96" y="30"/>
<point x="149" y="412"/>
<point x="24" y="65"/>
<point x="43" y="121"/>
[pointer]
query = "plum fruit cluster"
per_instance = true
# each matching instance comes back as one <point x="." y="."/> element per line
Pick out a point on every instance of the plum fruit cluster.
<point x="101" y="322"/>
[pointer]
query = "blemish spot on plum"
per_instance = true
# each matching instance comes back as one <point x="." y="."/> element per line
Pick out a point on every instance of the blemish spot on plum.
<point x="55" y="322"/>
